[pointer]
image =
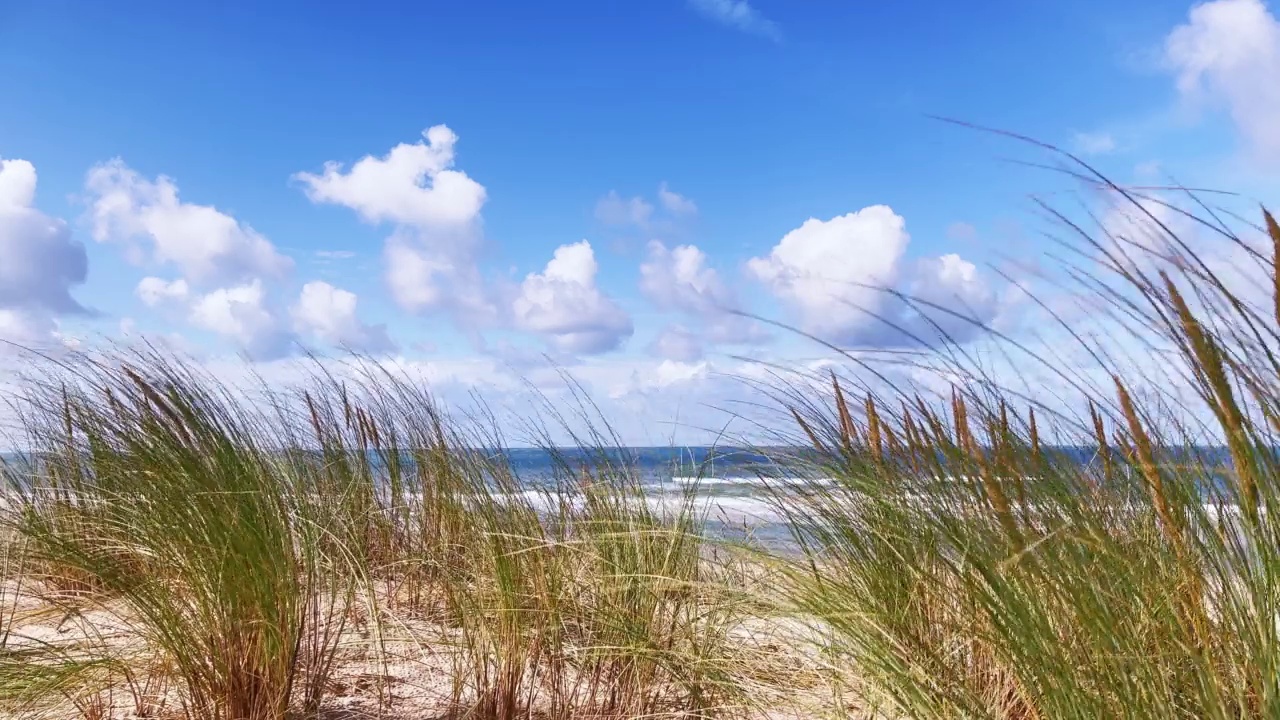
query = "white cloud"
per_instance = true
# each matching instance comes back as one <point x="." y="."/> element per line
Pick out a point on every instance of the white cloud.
<point x="449" y="381"/>
<point x="637" y="212"/>
<point x="240" y="313"/>
<point x="413" y="184"/>
<point x="329" y="313"/>
<point x="680" y="279"/>
<point x="246" y="315"/>
<point x="948" y="300"/>
<point x="424" y="278"/>
<point x="677" y="342"/>
<point x="226" y="268"/>
<point x="1149" y="231"/>
<point x="26" y="328"/>
<point x="413" y="275"/>
<point x="1135" y="230"/>
<point x="39" y="261"/>
<point x="209" y="247"/>
<point x="1152" y="233"/>
<point x="17" y="184"/>
<point x="832" y="272"/>
<point x="430" y="258"/>
<point x="1228" y="52"/>
<point x="1095" y="143"/>
<point x="154" y="291"/>
<point x="658" y="402"/>
<point x="674" y="202"/>
<point x="739" y="15"/>
<point x="563" y="304"/>
<point x="846" y="281"/>
<point x="613" y="209"/>
<point x="664" y="375"/>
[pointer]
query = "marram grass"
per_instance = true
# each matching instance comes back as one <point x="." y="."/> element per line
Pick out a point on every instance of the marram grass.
<point x="201" y="553"/>
<point x="238" y="547"/>
<point x="995" y="580"/>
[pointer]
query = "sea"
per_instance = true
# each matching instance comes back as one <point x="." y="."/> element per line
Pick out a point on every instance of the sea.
<point x="729" y="487"/>
<point x="733" y="488"/>
<point x="726" y="486"/>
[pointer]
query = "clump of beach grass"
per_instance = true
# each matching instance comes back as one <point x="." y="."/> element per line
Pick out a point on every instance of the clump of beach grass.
<point x="217" y="550"/>
<point x="151" y="498"/>
<point x="960" y="565"/>
<point x="570" y="594"/>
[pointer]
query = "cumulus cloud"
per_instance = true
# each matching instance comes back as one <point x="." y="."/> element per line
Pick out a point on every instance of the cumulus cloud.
<point x="209" y="247"/>
<point x="1136" y="231"/>
<point x="156" y="292"/>
<point x="739" y="15"/>
<point x="680" y="279"/>
<point x="250" y="317"/>
<point x="832" y="272"/>
<point x="425" y="278"/>
<point x="39" y="261"/>
<point x="329" y="313"/>
<point x="1153" y="233"/>
<point x="413" y="184"/>
<point x="26" y="328"/>
<point x="414" y="276"/>
<point x="430" y="257"/>
<point x="949" y="297"/>
<point x="1228" y="53"/>
<point x="665" y="375"/>
<point x="17" y="184"/>
<point x="225" y="266"/>
<point x="246" y="315"/>
<point x="241" y="313"/>
<point x="563" y="304"/>
<point x="847" y="281"/>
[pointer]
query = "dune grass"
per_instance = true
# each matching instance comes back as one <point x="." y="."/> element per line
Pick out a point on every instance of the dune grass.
<point x="965" y="569"/>
<point x="235" y="543"/>
<point x="208" y="553"/>
<point x="151" y="499"/>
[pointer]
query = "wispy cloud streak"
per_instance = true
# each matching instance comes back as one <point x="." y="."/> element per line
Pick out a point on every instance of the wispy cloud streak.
<point x="739" y="15"/>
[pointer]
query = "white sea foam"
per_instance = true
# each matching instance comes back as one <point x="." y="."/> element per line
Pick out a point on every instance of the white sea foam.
<point x="713" y="481"/>
<point x="748" y="481"/>
<point x="733" y="510"/>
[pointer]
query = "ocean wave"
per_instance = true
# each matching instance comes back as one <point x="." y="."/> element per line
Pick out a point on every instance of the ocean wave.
<point x="747" y="481"/>
<point x="733" y="510"/>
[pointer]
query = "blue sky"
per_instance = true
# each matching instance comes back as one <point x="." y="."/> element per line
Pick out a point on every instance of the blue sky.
<point x="181" y="151"/>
